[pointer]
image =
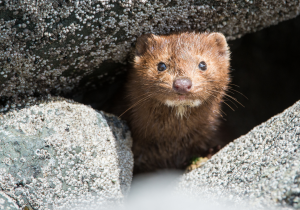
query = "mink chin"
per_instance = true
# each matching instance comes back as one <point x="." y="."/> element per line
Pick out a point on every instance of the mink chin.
<point x="173" y="96"/>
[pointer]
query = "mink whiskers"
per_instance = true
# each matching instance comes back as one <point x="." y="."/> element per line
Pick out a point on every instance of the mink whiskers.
<point x="230" y="97"/>
<point x="209" y="102"/>
<point x="137" y="103"/>
<point x="224" y="101"/>
<point x="231" y="89"/>
<point x="227" y="99"/>
<point x="136" y="97"/>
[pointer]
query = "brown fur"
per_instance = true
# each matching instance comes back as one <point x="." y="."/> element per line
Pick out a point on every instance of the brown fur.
<point x="168" y="136"/>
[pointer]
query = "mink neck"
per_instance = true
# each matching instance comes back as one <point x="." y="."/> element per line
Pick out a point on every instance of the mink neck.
<point x="163" y="123"/>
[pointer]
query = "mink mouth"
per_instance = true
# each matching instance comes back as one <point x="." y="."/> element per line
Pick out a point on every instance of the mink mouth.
<point x="182" y="100"/>
<point x="175" y="99"/>
<point x="181" y="97"/>
<point x="185" y="102"/>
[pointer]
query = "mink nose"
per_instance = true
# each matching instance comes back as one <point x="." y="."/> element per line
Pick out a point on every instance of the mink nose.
<point x="182" y="85"/>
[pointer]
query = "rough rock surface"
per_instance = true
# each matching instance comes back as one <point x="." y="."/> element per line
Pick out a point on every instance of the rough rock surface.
<point x="51" y="45"/>
<point x="262" y="166"/>
<point x="7" y="203"/>
<point x="63" y="155"/>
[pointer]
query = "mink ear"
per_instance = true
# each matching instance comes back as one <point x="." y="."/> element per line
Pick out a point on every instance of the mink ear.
<point x="220" y="41"/>
<point x="142" y="43"/>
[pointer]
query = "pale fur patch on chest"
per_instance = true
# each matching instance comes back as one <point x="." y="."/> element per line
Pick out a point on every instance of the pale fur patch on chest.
<point x="182" y="108"/>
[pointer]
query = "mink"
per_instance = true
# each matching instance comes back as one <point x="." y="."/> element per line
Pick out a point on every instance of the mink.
<point x="173" y="96"/>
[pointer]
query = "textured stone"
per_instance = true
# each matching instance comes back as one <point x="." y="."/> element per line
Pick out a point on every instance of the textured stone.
<point x="262" y="166"/>
<point x="52" y="45"/>
<point x="63" y="155"/>
<point x="7" y="203"/>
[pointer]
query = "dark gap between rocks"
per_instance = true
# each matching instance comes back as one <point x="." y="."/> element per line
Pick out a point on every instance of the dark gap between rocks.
<point x="265" y="66"/>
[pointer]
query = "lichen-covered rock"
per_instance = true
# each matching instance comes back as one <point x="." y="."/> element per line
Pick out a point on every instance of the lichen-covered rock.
<point x="51" y="45"/>
<point x="262" y="166"/>
<point x="63" y="155"/>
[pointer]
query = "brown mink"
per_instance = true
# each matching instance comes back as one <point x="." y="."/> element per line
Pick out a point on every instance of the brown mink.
<point x="173" y="98"/>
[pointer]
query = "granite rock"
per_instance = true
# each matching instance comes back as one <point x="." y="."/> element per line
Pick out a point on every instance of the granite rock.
<point x="7" y="203"/>
<point x="50" y="46"/>
<point x="62" y="155"/>
<point x="262" y="167"/>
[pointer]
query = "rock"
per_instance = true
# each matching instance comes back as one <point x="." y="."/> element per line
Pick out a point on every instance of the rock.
<point x="7" y="203"/>
<point x="49" y="46"/>
<point x="62" y="155"/>
<point x="262" y="166"/>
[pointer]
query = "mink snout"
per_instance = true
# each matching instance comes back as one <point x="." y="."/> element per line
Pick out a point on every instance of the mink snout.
<point x="182" y="85"/>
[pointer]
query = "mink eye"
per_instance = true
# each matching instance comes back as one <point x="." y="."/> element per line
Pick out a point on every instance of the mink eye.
<point x="161" y="66"/>
<point x="202" y="66"/>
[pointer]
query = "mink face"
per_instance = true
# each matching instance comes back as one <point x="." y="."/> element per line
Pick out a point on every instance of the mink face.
<point x="172" y="98"/>
<point x="185" y="70"/>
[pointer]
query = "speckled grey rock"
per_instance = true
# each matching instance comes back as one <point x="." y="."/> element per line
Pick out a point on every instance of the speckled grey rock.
<point x="7" y="203"/>
<point x="51" y="45"/>
<point x="262" y="166"/>
<point x="61" y="155"/>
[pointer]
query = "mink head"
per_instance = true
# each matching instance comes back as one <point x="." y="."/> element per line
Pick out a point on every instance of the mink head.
<point x="187" y="69"/>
